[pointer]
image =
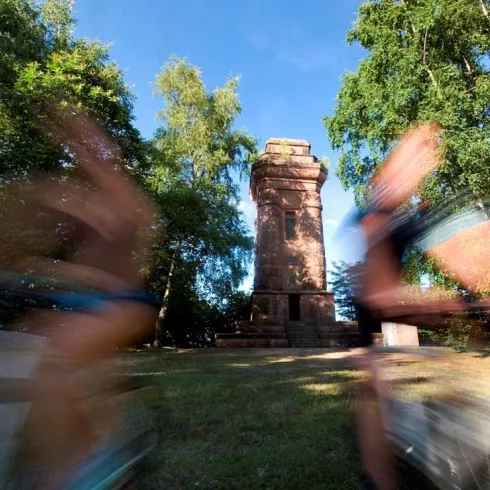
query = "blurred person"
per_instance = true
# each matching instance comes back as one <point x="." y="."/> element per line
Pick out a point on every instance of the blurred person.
<point x="110" y="224"/>
<point x="459" y="241"/>
<point x="457" y="238"/>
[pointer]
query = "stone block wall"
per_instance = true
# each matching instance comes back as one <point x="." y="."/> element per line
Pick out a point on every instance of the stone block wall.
<point x="286" y="184"/>
<point x="290" y="303"/>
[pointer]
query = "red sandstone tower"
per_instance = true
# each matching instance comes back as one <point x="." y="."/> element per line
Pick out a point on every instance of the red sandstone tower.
<point x="290" y="279"/>
<point x="290" y="303"/>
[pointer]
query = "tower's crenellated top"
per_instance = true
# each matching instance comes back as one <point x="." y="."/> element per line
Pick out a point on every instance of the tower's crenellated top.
<point x="294" y="147"/>
<point x="287" y="162"/>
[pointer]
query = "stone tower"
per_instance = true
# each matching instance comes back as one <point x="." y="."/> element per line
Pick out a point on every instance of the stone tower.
<point x="290" y="303"/>
<point x="290" y="278"/>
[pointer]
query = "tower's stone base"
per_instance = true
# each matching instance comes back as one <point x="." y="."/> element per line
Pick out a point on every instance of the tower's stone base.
<point x="271" y="318"/>
<point x="256" y="340"/>
<point x="274" y="307"/>
<point x="255" y="334"/>
<point x="295" y="334"/>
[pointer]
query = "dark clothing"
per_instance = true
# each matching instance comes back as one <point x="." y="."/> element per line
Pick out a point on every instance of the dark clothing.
<point x="367" y="324"/>
<point x="398" y="236"/>
<point x="423" y="230"/>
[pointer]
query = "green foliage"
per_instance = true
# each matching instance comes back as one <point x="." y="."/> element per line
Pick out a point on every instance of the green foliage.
<point x="426" y="60"/>
<point x="325" y="162"/>
<point x="460" y="334"/>
<point x="417" y="267"/>
<point x="203" y="232"/>
<point x="192" y="320"/>
<point x="43" y="67"/>
<point x="196" y="140"/>
<point x="57" y="17"/>
<point x="203" y="247"/>
<point x="343" y="281"/>
<point x="426" y="336"/>
<point x="284" y="151"/>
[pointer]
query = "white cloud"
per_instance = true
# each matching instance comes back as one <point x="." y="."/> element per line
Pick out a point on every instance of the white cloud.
<point x="247" y="207"/>
<point x="258" y="39"/>
<point x="331" y="222"/>
<point x="309" y="59"/>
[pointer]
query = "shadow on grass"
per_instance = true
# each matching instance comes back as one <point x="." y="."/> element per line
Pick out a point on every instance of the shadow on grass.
<point x="250" y="420"/>
<point x="481" y="353"/>
<point x="413" y="380"/>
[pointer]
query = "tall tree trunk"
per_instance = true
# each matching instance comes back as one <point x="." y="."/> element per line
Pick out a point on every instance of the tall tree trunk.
<point x="163" y="310"/>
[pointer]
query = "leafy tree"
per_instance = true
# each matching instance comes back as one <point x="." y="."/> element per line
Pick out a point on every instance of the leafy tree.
<point x="202" y="248"/>
<point x="44" y="69"/>
<point x="343" y="282"/>
<point x="192" y="321"/>
<point x="427" y="60"/>
<point x="43" y="66"/>
<point x="202" y="236"/>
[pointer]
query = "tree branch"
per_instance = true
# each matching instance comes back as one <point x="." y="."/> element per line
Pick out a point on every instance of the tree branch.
<point x="485" y="9"/>
<point x="424" y="56"/>
<point x="427" y="69"/>
<point x="424" y="59"/>
<point x="469" y="69"/>
<point x="414" y="30"/>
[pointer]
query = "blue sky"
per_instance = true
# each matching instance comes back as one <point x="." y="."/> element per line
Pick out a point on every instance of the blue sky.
<point x="290" y="56"/>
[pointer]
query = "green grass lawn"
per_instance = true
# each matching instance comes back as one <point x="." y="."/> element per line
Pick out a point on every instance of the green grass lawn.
<point x="271" y="419"/>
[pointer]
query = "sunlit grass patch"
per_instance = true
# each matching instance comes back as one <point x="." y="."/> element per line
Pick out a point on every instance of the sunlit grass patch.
<point x="270" y="419"/>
